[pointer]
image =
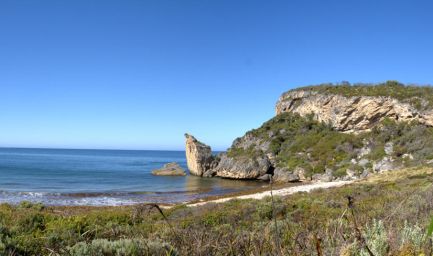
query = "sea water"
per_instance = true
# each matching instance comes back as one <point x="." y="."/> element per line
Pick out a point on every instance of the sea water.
<point x="102" y="177"/>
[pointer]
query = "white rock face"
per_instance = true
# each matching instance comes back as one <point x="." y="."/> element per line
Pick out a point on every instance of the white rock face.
<point x="198" y="156"/>
<point x="350" y="114"/>
<point x="389" y="148"/>
<point x="384" y="165"/>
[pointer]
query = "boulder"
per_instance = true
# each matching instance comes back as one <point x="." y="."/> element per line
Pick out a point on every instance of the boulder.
<point x="301" y="173"/>
<point x="265" y="177"/>
<point x="384" y="165"/>
<point x="323" y="177"/>
<point x="366" y="149"/>
<point x="365" y="174"/>
<point x="350" y="175"/>
<point x="284" y="175"/>
<point x="407" y="156"/>
<point x="363" y="162"/>
<point x="242" y="167"/>
<point x="170" y="169"/>
<point x="389" y="148"/>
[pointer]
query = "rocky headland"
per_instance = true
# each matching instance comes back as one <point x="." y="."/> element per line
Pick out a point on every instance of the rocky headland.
<point x="328" y="133"/>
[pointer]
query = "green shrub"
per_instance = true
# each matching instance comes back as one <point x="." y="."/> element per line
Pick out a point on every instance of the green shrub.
<point x="32" y="222"/>
<point x="214" y="218"/>
<point x="122" y="247"/>
<point x="30" y="205"/>
<point x="413" y="236"/>
<point x="376" y="239"/>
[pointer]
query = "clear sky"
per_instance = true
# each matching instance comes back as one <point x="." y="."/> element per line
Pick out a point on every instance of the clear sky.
<point x="139" y="74"/>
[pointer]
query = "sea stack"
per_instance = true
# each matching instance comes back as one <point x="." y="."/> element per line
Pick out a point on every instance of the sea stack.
<point x="198" y="156"/>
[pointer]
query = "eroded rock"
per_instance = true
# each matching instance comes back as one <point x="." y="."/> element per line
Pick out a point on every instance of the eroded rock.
<point x="363" y="162"/>
<point x="283" y="175"/>
<point x="170" y="169"/>
<point x="389" y="148"/>
<point x="265" y="177"/>
<point x="324" y="177"/>
<point x="384" y="165"/>
<point x="243" y="167"/>
<point x="301" y="173"/>
<point x="199" y="156"/>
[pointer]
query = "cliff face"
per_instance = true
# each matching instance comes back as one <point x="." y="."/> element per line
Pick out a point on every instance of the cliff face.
<point x="329" y="132"/>
<point x="350" y="114"/>
<point x="199" y="156"/>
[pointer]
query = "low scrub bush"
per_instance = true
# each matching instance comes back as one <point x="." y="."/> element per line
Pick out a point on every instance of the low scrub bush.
<point x="122" y="247"/>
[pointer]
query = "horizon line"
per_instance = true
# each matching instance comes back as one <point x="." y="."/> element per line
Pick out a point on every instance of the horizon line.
<point x="108" y="149"/>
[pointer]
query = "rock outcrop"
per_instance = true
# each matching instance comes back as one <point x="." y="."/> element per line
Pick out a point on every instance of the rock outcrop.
<point x="242" y="168"/>
<point x="350" y="114"/>
<point x="199" y="156"/>
<point x="299" y="145"/>
<point x="170" y="169"/>
<point x="284" y="175"/>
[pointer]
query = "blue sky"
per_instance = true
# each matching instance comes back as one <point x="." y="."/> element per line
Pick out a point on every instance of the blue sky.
<point x="138" y="74"/>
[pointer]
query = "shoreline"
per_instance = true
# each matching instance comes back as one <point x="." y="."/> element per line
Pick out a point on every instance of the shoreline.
<point x="256" y="193"/>
<point x="260" y="193"/>
<point x="308" y="187"/>
<point x="275" y="192"/>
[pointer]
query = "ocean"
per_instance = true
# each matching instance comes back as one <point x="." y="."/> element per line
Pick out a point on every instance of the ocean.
<point x="102" y="178"/>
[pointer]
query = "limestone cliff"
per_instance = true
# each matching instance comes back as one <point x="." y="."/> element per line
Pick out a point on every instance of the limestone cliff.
<point x="199" y="156"/>
<point x="350" y="114"/>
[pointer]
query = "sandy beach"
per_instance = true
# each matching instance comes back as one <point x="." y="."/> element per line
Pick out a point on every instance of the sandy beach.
<point x="277" y="192"/>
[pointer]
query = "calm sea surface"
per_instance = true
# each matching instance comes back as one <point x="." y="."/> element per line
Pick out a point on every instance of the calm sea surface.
<point x="101" y="177"/>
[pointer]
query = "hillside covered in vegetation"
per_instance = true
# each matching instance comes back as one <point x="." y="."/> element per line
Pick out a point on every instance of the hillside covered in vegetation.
<point x="336" y="132"/>
<point x="296" y="142"/>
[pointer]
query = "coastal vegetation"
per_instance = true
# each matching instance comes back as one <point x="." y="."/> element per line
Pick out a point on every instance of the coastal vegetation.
<point x="421" y="97"/>
<point x="298" y="141"/>
<point x="387" y="214"/>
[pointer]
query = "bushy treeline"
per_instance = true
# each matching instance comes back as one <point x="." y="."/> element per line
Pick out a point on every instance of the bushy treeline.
<point x="420" y="97"/>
